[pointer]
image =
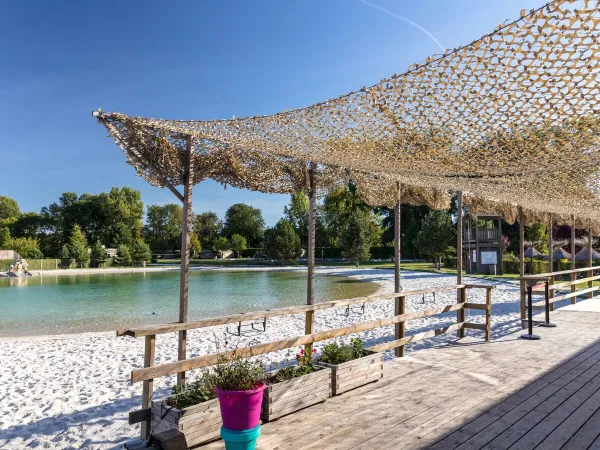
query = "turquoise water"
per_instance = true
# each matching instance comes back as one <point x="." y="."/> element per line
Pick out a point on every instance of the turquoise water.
<point x="53" y="304"/>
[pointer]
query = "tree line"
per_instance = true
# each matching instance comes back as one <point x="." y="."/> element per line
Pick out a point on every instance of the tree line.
<point x="80" y="227"/>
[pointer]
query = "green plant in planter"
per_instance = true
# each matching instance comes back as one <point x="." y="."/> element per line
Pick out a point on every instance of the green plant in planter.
<point x="336" y="354"/>
<point x="235" y="373"/>
<point x="193" y="393"/>
<point x="304" y="366"/>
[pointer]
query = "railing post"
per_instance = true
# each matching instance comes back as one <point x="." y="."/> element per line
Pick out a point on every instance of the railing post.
<point x="400" y="303"/>
<point x="523" y="295"/>
<point x="573" y="287"/>
<point x="460" y="314"/>
<point x="590" y="273"/>
<point x="488" y="313"/>
<point x="551" y="293"/>
<point x="530" y="335"/>
<point x="148" y="386"/>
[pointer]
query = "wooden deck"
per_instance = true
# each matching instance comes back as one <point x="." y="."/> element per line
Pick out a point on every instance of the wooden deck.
<point x="510" y="393"/>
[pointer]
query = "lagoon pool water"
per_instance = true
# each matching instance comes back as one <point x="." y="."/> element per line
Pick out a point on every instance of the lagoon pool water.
<point x="59" y="304"/>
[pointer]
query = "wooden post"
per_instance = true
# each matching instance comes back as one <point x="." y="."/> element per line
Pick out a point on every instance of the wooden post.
<point x="399" y="301"/>
<point x="550" y="259"/>
<point x="148" y="385"/>
<point x="186" y="230"/>
<point x="461" y="313"/>
<point x="590" y="273"/>
<point x="574" y="274"/>
<point x="488" y="313"/>
<point x="460" y="294"/>
<point x="310" y="257"/>
<point x="522" y="290"/>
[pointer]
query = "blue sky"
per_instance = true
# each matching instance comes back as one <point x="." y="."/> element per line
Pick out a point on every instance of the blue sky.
<point x="193" y="60"/>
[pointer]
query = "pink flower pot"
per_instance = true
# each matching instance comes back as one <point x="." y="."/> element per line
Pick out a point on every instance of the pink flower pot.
<point x="240" y="410"/>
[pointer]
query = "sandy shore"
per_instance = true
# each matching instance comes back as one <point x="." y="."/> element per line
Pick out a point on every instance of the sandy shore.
<point x="73" y="391"/>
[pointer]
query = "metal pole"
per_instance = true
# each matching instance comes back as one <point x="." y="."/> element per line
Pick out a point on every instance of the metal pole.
<point x="547" y="324"/>
<point x="310" y="287"/>
<point x="185" y="254"/>
<point x="530" y="335"/>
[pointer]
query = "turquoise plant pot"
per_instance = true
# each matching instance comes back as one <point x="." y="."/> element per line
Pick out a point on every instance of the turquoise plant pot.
<point x="240" y="440"/>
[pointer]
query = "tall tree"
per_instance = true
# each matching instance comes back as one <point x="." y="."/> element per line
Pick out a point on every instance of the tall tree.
<point x="221" y="244"/>
<point x="123" y="256"/>
<point x="140" y="252"/>
<point x="4" y="237"/>
<point x="409" y="239"/>
<point x="296" y="213"/>
<point x="436" y="235"/>
<point x="78" y="248"/>
<point x="195" y="245"/>
<point x="356" y="238"/>
<point x="207" y="227"/>
<point x="282" y="242"/>
<point x="9" y="208"/>
<point x="246" y="221"/>
<point x="98" y="254"/>
<point x="238" y="244"/>
<point x="163" y="227"/>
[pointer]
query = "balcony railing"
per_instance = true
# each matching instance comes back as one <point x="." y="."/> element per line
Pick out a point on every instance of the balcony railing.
<point x="484" y="235"/>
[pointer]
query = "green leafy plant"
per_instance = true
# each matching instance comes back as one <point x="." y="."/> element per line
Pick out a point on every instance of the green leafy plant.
<point x="193" y="393"/>
<point x="304" y="366"/>
<point x="336" y="354"/>
<point x="233" y="372"/>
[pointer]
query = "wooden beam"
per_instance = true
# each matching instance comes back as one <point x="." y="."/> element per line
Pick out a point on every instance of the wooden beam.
<point x="185" y="255"/>
<point x="162" y="370"/>
<point x="400" y="302"/>
<point x="460" y="293"/>
<point x="148" y="388"/>
<point x="309" y="320"/>
<point x="415" y="337"/>
<point x="288" y="310"/>
<point x="140" y="415"/>
<point x="521" y="243"/>
<point x="550" y="249"/>
<point x="589" y="264"/>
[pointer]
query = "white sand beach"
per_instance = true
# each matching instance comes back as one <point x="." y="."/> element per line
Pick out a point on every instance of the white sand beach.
<point x="73" y="391"/>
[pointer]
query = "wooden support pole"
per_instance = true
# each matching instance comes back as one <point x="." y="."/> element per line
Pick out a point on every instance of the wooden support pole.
<point x="590" y="273"/>
<point x="461" y="298"/>
<point x="522" y="290"/>
<point x="148" y="385"/>
<point x="488" y="314"/>
<point x="399" y="301"/>
<point x="461" y="314"/>
<point x="550" y="249"/>
<point x="310" y="288"/>
<point x="574" y="274"/>
<point x="185" y="254"/>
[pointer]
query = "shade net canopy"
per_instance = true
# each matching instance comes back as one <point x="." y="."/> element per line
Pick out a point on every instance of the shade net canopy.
<point x="512" y="120"/>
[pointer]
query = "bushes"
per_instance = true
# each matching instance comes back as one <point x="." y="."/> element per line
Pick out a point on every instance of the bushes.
<point x="34" y="264"/>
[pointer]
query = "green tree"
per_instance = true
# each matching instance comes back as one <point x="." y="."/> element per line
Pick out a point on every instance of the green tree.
<point x="9" y="208"/>
<point x="123" y="257"/>
<point x="163" y="227"/>
<point x="25" y="247"/>
<point x="282" y="242"/>
<point x="221" y="244"/>
<point x="195" y="245"/>
<point x="238" y="244"/>
<point x="246" y="221"/>
<point x="98" y="254"/>
<point x="356" y="239"/>
<point x="409" y="239"/>
<point x="537" y="234"/>
<point x="78" y="248"/>
<point x="296" y="213"/>
<point x="65" y="253"/>
<point x="140" y="252"/>
<point x="436" y="235"/>
<point x="4" y="237"/>
<point x="207" y="227"/>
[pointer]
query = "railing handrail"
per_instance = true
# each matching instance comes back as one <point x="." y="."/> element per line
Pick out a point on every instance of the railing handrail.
<point x="540" y="276"/>
<point x="288" y="310"/>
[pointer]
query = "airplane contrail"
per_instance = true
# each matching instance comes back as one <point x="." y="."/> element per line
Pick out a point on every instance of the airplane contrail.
<point x="404" y="19"/>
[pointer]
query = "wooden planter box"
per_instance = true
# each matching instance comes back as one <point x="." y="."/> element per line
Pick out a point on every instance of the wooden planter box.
<point x="199" y="423"/>
<point x="298" y="393"/>
<point x="355" y="373"/>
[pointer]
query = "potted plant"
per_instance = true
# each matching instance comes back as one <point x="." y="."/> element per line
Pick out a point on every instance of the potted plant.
<point x="352" y="366"/>
<point x="193" y="410"/>
<point x="293" y="388"/>
<point x="239" y="386"/>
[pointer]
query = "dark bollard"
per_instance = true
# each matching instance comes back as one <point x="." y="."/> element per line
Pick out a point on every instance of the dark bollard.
<point x="547" y="324"/>
<point x="530" y="335"/>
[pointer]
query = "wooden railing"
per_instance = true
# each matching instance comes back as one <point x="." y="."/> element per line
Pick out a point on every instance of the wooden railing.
<point x="484" y="235"/>
<point x="555" y="283"/>
<point x="151" y="371"/>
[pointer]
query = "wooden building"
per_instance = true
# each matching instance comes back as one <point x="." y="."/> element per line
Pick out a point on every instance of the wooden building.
<point x="482" y="244"/>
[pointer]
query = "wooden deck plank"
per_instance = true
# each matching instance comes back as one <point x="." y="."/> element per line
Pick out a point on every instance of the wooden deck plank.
<point x="466" y="396"/>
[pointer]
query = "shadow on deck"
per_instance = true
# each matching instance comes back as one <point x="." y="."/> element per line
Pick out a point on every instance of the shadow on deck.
<point x="510" y="393"/>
